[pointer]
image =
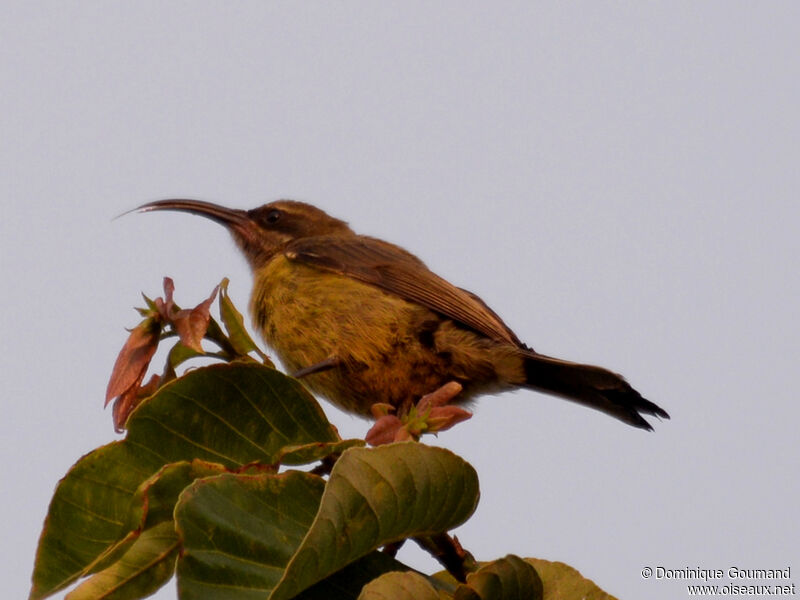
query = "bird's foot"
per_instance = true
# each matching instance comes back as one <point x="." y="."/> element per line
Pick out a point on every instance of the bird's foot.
<point x="431" y="415"/>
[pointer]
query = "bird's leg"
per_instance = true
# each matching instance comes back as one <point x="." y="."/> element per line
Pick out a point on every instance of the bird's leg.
<point x="431" y="415"/>
<point x="323" y="365"/>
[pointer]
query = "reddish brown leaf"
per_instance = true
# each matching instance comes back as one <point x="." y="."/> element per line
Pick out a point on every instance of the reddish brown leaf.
<point x="133" y="359"/>
<point x="384" y="431"/>
<point x="403" y="435"/>
<point x="192" y="325"/>
<point x="129" y="370"/>
<point x="169" y="288"/>
<point x="166" y="306"/>
<point x="124" y="404"/>
<point x="442" y="418"/>
<point x="440" y="397"/>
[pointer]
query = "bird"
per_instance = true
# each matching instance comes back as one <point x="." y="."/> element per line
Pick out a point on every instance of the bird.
<point x="365" y="322"/>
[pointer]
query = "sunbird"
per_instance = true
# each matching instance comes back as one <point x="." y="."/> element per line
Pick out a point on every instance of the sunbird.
<point x="366" y="322"/>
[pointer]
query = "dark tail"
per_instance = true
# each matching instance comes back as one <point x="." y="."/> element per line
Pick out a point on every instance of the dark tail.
<point x="591" y="386"/>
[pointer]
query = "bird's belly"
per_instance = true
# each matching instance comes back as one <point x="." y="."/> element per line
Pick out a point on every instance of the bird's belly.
<point x="389" y="350"/>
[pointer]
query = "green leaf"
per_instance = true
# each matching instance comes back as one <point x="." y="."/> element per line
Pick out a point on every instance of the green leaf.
<point x="509" y="578"/>
<point x="379" y="495"/>
<point x="177" y="355"/>
<point x="277" y="536"/>
<point x="308" y="453"/>
<point x="399" y="586"/>
<point x="145" y="567"/>
<point x="87" y="514"/>
<point x="234" y="324"/>
<point x="231" y="414"/>
<point x="153" y="503"/>
<point x="155" y="499"/>
<point x="562" y="582"/>
<point x="348" y="583"/>
<point x="239" y="531"/>
<point x="151" y="306"/>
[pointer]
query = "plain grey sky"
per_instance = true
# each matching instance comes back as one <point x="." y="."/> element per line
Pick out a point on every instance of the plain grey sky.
<point x="618" y="180"/>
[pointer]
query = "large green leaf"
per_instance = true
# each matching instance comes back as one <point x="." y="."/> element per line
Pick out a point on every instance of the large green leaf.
<point x="155" y="499"/>
<point x="308" y="453"/>
<point x="231" y="414"/>
<point x="559" y="580"/>
<point x="509" y="578"/>
<point x="87" y="514"/>
<point x="562" y="582"/>
<point x="277" y="536"/>
<point x="153" y="503"/>
<point x="146" y="566"/>
<point x="239" y="532"/>
<point x="379" y="495"/>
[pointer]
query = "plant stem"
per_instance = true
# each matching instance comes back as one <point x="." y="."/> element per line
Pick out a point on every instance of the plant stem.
<point x="449" y="552"/>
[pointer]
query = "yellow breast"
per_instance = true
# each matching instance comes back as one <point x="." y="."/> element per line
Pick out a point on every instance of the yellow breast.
<point x="390" y="350"/>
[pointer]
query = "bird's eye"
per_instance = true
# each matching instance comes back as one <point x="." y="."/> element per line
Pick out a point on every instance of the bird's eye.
<point x="273" y="215"/>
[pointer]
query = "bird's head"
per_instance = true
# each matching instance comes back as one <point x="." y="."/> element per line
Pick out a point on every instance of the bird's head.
<point x="263" y="231"/>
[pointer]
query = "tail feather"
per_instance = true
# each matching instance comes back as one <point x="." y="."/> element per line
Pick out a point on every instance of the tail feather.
<point x="591" y="386"/>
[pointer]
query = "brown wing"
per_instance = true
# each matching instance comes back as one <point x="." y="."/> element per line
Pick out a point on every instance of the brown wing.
<point x="399" y="272"/>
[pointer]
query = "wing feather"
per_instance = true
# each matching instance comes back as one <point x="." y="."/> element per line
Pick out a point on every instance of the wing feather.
<point x="399" y="272"/>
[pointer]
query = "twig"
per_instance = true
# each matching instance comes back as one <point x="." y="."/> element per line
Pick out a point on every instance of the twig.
<point x="391" y="549"/>
<point x="449" y="552"/>
<point x="326" y="464"/>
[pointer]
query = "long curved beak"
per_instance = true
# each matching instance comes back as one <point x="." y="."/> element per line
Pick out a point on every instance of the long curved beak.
<point x="230" y="217"/>
<point x="237" y="221"/>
